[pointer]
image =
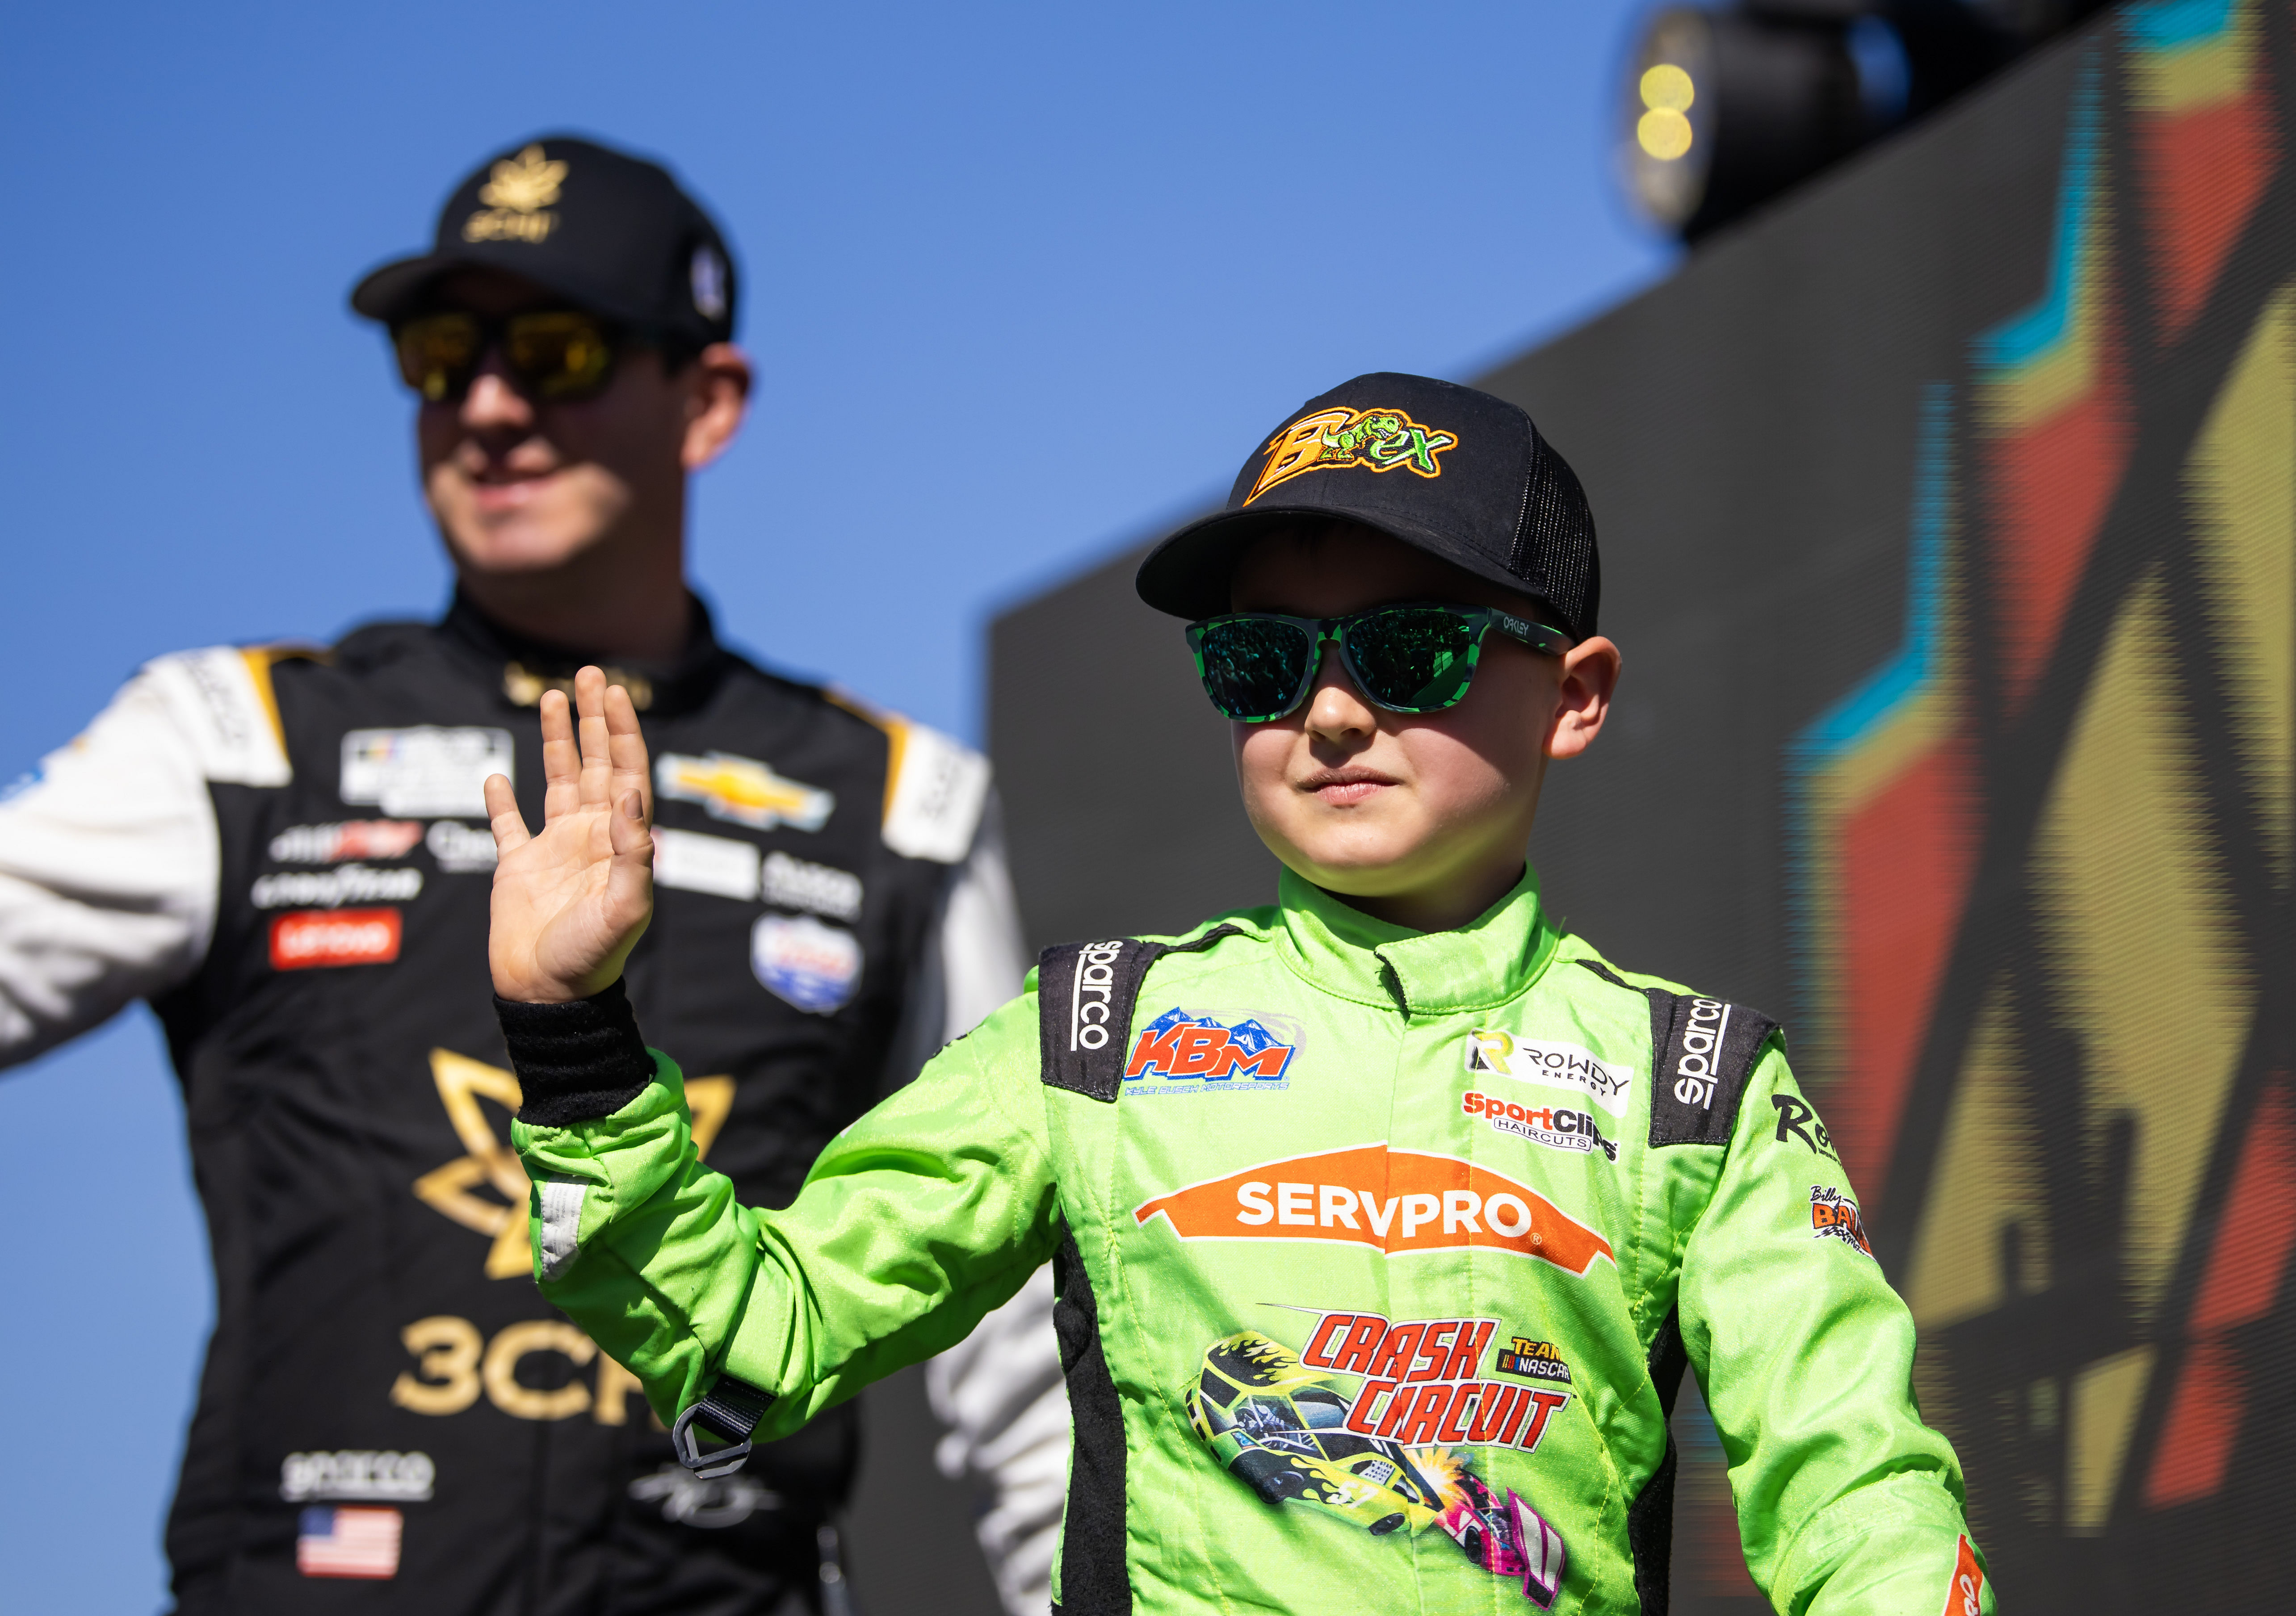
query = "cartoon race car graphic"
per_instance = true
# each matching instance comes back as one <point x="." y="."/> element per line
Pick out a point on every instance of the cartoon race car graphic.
<point x="1281" y="1428"/>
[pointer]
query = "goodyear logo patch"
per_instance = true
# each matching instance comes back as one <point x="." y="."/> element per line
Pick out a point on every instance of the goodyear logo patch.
<point x="1184" y="1052"/>
<point x="742" y="790"/>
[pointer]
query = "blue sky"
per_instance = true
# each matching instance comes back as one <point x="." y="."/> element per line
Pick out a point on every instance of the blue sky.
<point x="1022" y="283"/>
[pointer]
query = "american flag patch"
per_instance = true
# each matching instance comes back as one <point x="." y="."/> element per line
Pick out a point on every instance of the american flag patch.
<point x="348" y="1543"/>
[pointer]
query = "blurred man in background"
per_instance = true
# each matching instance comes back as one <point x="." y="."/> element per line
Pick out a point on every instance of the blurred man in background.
<point x="283" y="850"/>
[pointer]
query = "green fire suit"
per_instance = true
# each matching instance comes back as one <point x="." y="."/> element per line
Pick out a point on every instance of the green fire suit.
<point x="1381" y="1255"/>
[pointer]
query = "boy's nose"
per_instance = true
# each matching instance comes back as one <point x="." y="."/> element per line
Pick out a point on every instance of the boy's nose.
<point x="1336" y="709"/>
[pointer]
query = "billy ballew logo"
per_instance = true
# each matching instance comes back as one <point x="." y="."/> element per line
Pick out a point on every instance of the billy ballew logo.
<point x="1333" y="441"/>
<point x="1833" y="1216"/>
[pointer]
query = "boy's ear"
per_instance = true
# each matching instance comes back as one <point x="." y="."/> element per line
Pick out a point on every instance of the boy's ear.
<point x="1582" y="700"/>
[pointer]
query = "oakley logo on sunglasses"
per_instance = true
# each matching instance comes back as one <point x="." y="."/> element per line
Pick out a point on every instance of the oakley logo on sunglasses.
<point x="1333" y="441"/>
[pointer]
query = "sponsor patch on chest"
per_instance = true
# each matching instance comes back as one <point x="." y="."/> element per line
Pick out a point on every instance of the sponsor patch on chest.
<point x="310" y="937"/>
<point x="1198" y="1052"/>
<point x="424" y="772"/>
<point x="742" y="790"/>
<point x="1550" y="1064"/>
<point x="1395" y="1202"/>
<point x="1557" y="1127"/>
<point x="351" y="839"/>
<point x="816" y="968"/>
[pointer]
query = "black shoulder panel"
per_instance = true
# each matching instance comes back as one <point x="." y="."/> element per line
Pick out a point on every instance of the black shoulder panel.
<point x="1703" y="1052"/>
<point x="1085" y="996"/>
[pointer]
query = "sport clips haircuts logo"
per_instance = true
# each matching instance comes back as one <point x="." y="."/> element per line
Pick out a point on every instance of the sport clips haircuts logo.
<point x="1335" y="439"/>
<point x="1556" y="1127"/>
<point x="1372" y="1423"/>
<point x="1191" y="1053"/>
<point x="1394" y="1201"/>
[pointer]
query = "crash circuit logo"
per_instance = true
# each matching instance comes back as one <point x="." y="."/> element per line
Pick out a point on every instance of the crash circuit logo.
<point x="1394" y="1201"/>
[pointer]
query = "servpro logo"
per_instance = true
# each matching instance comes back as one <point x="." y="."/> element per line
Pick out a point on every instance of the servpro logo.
<point x="1092" y="995"/>
<point x="1395" y="1202"/>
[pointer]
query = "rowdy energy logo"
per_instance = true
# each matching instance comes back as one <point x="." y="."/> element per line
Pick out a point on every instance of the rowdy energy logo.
<point x="1331" y="441"/>
<point x="1554" y="1065"/>
<point x="1395" y="1202"/>
<point x="1555" y="1126"/>
<point x="1291" y="1431"/>
<point x="1178" y="1045"/>
<point x="1834" y="1216"/>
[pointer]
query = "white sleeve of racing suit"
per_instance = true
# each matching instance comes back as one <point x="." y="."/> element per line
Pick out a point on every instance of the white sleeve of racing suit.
<point x="999" y="1391"/>
<point x="109" y="857"/>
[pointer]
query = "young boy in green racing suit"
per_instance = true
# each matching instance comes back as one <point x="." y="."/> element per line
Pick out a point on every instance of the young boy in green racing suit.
<point x="1385" y="1219"/>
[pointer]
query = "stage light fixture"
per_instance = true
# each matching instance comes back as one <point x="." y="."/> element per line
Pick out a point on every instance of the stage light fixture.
<point x="1727" y="107"/>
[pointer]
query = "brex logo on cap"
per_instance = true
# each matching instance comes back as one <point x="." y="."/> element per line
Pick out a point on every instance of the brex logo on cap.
<point x="1392" y="1201"/>
<point x="1333" y="441"/>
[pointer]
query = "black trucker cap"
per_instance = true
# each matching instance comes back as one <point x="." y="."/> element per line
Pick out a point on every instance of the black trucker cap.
<point x="609" y="232"/>
<point x="1457" y="473"/>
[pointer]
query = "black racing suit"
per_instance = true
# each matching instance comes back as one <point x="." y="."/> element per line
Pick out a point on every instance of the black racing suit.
<point x="312" y="931"/>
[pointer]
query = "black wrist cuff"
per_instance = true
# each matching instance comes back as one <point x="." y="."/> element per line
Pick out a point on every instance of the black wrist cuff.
<point x="576" y="1061"/>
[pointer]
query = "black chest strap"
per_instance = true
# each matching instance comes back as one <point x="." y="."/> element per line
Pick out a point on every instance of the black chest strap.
<point x="1085" y="993"/>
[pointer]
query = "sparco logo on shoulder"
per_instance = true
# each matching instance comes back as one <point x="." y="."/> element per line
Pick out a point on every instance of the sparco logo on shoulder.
<point x="1094" y="994"/>
<point x="1702" y="1042"/>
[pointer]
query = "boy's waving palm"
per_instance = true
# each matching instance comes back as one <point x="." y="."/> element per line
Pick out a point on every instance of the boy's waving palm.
<point x="570" y="903"/>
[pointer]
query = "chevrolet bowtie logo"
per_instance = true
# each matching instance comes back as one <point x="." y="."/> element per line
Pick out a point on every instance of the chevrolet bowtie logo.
<point x="452" y="1189"/>
<point x="742" y="790"/>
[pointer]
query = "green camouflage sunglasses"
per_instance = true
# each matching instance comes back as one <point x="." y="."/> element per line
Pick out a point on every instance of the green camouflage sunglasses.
<point x="1415" y="658"/>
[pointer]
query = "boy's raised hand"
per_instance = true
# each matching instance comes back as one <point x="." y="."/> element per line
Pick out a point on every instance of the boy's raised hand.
<point x="570" y="904"/>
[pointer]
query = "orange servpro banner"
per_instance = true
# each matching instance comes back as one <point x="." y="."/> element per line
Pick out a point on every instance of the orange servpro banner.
<point x="1392" y="1201"/>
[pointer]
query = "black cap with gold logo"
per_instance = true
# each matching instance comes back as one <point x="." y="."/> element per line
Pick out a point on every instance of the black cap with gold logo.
<point x="1458" y="473"/>
<point x="613" y="233"/>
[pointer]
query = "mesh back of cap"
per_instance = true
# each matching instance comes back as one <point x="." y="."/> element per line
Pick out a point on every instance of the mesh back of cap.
<point x="1554" y="541"/>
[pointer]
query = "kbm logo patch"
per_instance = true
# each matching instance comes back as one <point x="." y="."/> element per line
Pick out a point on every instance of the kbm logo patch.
<point x="1190" y="1051"/>
<point x="1834" y="1216"/>
<point x="1395" y="1202"/>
